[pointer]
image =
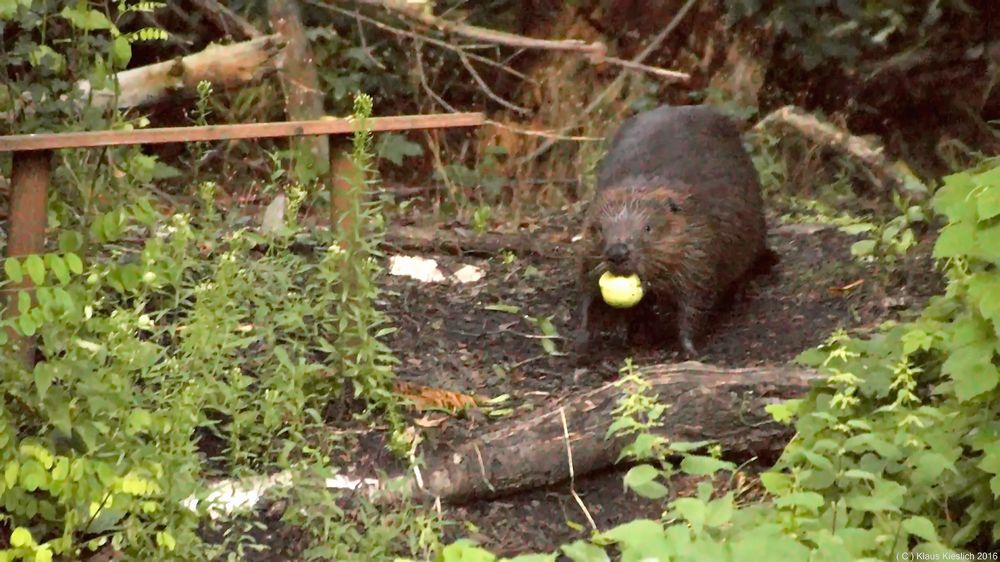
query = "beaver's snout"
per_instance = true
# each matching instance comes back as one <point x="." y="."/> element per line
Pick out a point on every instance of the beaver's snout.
<point x="618" y="257"/>
<point x="617" y="254"/>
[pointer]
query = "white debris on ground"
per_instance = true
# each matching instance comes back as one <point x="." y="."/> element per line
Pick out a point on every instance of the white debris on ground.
<point x="421" y="269"/>
<point x="228" y="497"/>
<point x="469" y="274"/>
<point x="427" y="270"/>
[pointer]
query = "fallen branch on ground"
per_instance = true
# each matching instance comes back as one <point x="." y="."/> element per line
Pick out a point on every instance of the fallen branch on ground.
<point x="885" y="174"/>
<point x="703" y="403"/>
<point x="463" y="242"/>
<point x="223" y="66"/>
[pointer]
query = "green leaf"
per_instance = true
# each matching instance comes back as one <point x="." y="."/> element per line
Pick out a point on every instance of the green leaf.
<point x="85" y="19"/>
<point x="863" y="248"/>
<point x="10" y="473"/>
<point x="859" y="474"/>
<point x="21" y="537"/>
<point x="635" y="532"/>
<point x="395" y="147"/>
<point x="956" y="239"/>
<point x="583" y="551"/>
<point x="58" y="267"/>
<point x="776" y="483"/>
<point x="857" y="228"/>
<point x="27" y="325"/>
<point x="720" y="511"/>
<point x="921" y="527"/>
<point x="642" y="480"/>
<point x="33" y="476"/>
<point x="70" y="241"/>
<point x="43" y="374"/>
<point x="783" y="412"/>
<point x="809" y="500"/>
<point x="952" y="199"/>
<point x="972" y="369"/>
<point x="464" y="550"/>
<point x="916" y="339"/>
<point x="43" y="554"/>
<point x="987" y="245"/>
<point x="61" y="469"/>
<point x="36" y="268"/>
<point x="989" y="178"/>
<point x="928" y="466"/>
<point x="23" y="302"/>
<point x="698" y="465"/>
<point x="122" y="51"/>
<point x="988" y="203"/>
<point x="74" y="263"/>
<point x="693" y="510"/>
<point x="13" y="269"/>
<point x="885" y="497"/>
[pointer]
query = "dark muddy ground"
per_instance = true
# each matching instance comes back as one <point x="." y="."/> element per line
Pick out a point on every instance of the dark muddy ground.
<point x="448" y="338"/>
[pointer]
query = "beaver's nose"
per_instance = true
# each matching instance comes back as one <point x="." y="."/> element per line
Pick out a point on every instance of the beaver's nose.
<point x="616" y="253"/>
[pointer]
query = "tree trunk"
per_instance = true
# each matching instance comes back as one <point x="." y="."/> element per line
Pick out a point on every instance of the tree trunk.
<point x="303" y="95"/>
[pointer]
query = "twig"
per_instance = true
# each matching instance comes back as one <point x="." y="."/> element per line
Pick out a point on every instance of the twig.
<point x="486" y="89"/>
<point x="524" y="362"/>
<point x="223" y="18"/>
<point x="482" y="469"/>
<point x="423" y="79"/>
<point x="364" y="43"/>
<point x="652" y="46"/>
<point x="596" y="51"/>
<point x="572" y="475"/>
<point x="544" y="134"/>
<point x="417" y="36"/>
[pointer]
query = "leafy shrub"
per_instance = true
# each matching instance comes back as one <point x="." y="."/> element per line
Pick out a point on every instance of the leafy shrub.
<point x="172" y="347"/>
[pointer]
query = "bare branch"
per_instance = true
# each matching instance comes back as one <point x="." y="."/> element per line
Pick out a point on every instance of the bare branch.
<point x="616" y="83"/>
<point x="486" y="89"/>
<point x="596" y="51"/>
<point x="227" y="20"/>
<point x="423" y="80"/>
<point x="419" y="37"/>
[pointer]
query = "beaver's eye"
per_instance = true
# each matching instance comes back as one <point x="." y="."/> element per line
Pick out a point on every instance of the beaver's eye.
<point x="649" y="228"/>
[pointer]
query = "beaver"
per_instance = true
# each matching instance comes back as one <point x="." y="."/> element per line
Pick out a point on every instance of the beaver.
<point x="678" y="202"/>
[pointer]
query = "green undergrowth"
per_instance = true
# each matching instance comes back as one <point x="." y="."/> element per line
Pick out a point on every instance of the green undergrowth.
<point x="896" y="453"/>
<point x="175" y="344"/>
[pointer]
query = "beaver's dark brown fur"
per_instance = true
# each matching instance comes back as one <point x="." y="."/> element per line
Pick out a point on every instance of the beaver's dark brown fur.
<point x="679" y="203"/>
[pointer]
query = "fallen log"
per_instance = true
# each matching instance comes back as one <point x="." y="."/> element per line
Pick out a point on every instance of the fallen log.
<point x="464" y="242"/>
<point x="224" y="66"/>
<point x="703" y="403"/>
<point x="884" y="173"/>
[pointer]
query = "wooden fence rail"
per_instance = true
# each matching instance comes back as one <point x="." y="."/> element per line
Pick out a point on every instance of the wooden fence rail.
<point x="33" y="154"/>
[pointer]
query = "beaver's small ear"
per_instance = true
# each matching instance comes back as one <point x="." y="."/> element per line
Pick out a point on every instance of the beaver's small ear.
<point x="673" y="206"/>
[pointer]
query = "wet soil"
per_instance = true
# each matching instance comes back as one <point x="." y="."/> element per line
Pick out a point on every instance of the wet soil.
<point x="483" y="338"/>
